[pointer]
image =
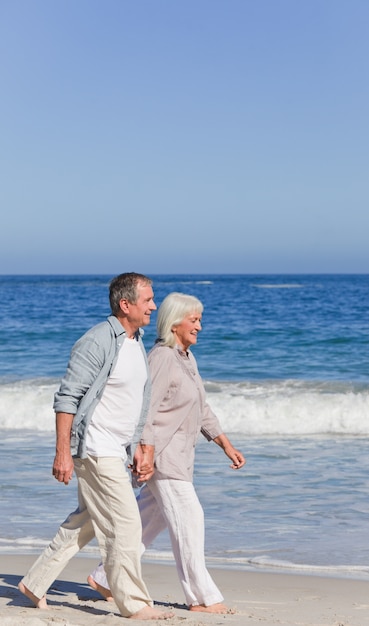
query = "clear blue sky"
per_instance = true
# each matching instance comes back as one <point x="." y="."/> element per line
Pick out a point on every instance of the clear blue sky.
<point x="201" y="136"/>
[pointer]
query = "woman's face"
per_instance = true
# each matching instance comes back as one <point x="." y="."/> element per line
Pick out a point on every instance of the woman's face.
<point x="186" y="331"/>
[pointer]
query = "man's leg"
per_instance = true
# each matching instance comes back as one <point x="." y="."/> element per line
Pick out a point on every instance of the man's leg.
<point x="113" y="509"/>
<point x="72" y="535"/>
<point x="152" y="522"/>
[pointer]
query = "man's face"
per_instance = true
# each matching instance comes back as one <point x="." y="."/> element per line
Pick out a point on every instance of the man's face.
<point x="140" y="312"/>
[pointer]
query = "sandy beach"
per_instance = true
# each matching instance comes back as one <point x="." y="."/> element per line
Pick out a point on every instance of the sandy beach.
<point x="257" y="598"/>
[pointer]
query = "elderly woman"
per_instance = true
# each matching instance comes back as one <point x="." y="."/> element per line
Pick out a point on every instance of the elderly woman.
<point x="178" y="413"/>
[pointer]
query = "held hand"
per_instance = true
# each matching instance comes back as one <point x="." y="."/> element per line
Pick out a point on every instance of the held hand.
<point x="63" y="467"/>
<point x="143" y="463"/>
<point x="144" y="477"/>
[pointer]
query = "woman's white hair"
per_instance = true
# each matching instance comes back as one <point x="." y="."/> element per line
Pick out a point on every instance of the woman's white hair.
<point x="172" y="311"/>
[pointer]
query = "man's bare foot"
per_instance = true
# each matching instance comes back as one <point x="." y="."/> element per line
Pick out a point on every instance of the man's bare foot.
<point x="103" y="591"/>
<point x="149" y="612"/>
<point x="212" y="608"/>
<point x="40" y="603"/>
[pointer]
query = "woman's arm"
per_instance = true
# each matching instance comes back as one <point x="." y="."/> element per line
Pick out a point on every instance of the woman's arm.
<point x="237" y="458"/>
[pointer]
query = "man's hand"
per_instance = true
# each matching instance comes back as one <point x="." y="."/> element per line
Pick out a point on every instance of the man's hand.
<point x="63" y="467"/>
<point x="143" y="463"/>
<point x="63" y="463"/>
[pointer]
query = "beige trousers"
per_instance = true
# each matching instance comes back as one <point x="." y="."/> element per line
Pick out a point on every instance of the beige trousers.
<point x="107" y="509"/>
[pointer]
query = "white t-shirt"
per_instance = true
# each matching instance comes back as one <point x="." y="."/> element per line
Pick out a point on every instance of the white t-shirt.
<point x="117" y="414"/>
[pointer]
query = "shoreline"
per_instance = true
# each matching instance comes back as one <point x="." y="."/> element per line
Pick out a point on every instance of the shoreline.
<point x="270" y="598"/>
<point x="151" y="558"/>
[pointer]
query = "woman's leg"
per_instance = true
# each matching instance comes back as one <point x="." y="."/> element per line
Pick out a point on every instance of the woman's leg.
<point x="152" y="519"/>
<point x="184" y="516"/>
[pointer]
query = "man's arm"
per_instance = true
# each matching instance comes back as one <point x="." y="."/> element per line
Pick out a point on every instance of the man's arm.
<point x="63" y="462"/>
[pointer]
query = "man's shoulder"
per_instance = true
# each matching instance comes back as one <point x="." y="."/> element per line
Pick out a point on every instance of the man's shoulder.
<point x="107" y="327"/>
<point x="102" y="332"/>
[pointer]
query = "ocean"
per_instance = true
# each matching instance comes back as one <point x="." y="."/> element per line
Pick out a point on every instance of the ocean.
<point x="285" y="362"/>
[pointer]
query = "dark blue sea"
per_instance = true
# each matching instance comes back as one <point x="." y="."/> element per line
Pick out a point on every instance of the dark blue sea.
<point x="285" y="361"/>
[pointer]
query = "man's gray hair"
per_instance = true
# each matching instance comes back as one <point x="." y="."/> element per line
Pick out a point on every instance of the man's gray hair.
<point x="124" y="287"/>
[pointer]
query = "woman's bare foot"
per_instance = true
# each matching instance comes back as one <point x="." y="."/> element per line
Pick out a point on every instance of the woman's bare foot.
<point x="40" y="603"/>
<point x="103" y="591"/>
<point x="149" y="612"/>
<point x="212" y="608"/>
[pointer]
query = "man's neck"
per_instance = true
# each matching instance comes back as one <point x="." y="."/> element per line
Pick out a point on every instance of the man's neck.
<point x="130" y="330"/>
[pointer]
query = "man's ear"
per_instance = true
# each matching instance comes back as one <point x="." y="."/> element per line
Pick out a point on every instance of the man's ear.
<point x="124" y="305"/>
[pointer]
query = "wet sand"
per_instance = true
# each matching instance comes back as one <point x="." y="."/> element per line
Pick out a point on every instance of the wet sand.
<point x="266" y="599"/>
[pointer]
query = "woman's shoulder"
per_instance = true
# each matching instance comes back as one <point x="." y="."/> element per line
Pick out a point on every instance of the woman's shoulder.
<point x="158" y="351"/>
<point x="161" y="359"/>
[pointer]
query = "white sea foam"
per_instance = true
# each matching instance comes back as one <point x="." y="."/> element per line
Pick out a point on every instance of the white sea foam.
<point x="289" y="407"/>
<point x="27" y="405"/>
<point x="34" y="545"/>
<point x="278" y="285"/>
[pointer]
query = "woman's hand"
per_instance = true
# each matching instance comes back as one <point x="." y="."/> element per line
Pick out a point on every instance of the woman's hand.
<point x="143" y="463"/>
<point x="237" y="458"/>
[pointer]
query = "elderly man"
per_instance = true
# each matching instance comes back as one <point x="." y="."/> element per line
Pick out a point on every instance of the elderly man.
<point x="101" y="408"/>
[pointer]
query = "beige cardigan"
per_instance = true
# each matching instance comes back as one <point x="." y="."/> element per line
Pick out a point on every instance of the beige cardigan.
<point x="178" y="412"/>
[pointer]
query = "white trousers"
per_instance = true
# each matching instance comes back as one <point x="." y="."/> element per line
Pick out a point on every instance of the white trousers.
<point x="174" y="504"/>
<point x="108" y="510"/>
